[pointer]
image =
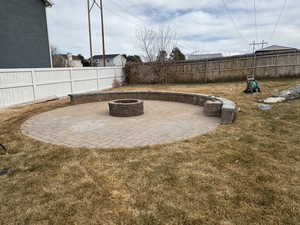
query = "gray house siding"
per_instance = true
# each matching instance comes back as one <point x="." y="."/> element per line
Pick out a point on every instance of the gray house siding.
<point x="23" y="34"/>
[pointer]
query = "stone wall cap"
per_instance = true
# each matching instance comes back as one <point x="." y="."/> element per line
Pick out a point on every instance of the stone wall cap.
<point x="228" y="107"/>
<point x="227" y="104"/>
<point x="213" y="102"/>
<point x="139" y="92"/>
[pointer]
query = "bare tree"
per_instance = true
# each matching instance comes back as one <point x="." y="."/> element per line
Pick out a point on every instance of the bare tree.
<point x="152" y="42"/>
<point x="147" y="43"/>
<point x="57" y="59"/>
<point x="157" y="44"/>
<point x="54" y="50"/>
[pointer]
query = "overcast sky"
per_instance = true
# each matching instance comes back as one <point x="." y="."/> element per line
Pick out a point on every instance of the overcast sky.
<point x="202" y="26"/>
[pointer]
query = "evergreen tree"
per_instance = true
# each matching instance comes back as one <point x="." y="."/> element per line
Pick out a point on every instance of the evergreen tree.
<point x="177" y="55"/>
<point x="162" y="56"/>
<point x="134" y="59"/>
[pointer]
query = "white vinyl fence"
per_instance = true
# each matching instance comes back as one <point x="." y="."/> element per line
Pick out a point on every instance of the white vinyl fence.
<point x="24" y="85"/>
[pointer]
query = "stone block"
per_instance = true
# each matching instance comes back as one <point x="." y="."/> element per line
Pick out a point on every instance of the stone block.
<point x="212" y="108"/>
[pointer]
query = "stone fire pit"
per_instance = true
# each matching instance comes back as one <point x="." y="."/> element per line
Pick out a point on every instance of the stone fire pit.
<point x="126" y="107"/>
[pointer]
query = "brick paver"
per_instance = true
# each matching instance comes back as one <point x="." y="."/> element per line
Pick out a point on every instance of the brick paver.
<point x="90" y="125"/>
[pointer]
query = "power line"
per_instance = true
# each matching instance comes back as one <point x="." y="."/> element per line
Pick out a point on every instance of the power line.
<point x="278" y="20"/>
<point x="121" y="8"/>
<point x="255" y="19"/>
<point x="233" y="22"/>
<point x="188" y="49"/>
<point x="254" y="44"/>
<point x="122" y="16"/>
<point x="185" y="47"/>
<point x="143" y="22"/>
<point x="102" y="31"/>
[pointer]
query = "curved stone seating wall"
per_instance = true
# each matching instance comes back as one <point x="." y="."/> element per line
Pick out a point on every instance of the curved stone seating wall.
<point x="228" y="109"/>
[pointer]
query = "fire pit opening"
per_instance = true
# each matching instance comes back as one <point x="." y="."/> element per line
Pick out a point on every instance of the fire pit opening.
<point x="126" y="101"/>
<point x="126" y="107"/>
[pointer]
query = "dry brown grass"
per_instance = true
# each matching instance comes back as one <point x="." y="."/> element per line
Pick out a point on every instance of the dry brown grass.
<point x="245" y="173"/>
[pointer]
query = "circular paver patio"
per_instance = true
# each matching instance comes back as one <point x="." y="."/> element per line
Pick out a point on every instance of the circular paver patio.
<point x="90" y="125"/>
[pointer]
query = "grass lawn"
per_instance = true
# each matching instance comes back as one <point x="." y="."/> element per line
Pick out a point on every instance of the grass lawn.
<point x="244" y="173"/>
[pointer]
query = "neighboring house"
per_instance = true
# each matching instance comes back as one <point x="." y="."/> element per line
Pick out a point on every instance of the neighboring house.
<point x="23" y="34"/>
<point x="204" y="56"/>
<point x="66" y="60"/>
<point x="275" y="49"/>
<point x="111" y="60"/>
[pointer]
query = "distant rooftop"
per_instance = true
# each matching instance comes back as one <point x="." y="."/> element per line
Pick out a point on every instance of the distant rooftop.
<point x="275" y="48"/>
<point x="106" y="56"/>
<point x="204" y="56"/>
<point x="74" y="57"/>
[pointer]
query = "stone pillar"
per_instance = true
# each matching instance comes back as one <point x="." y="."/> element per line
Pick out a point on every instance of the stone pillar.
<point x="212" y="108"/>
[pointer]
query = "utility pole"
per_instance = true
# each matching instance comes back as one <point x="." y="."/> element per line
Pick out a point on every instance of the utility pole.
<point x="102" y="29"/>
<point x="254" y="44"/>
<point x="263" y="43"/>
<point x="90" y="31"/>
<point x="90" y="7"/>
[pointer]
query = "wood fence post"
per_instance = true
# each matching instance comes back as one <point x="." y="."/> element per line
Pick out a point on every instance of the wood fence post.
<point x="206" y="70"/>
<point x="276" y="65"/>
<point x="220" y="69"/>
<point x="254" y="65"/>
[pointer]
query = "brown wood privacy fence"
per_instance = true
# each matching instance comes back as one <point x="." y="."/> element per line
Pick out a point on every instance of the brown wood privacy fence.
<point x="218" y="69"/>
